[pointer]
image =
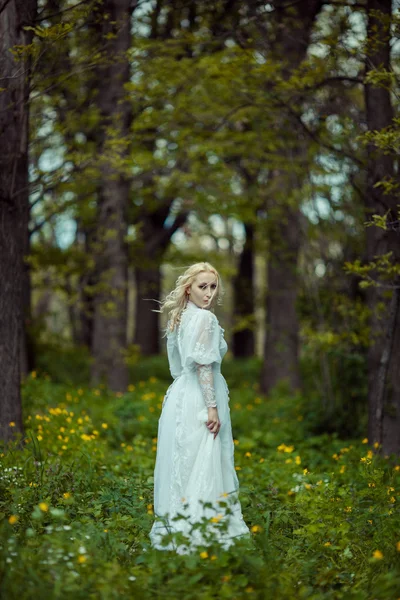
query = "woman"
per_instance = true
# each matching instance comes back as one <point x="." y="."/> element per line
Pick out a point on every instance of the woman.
<point x="195" y="462"/>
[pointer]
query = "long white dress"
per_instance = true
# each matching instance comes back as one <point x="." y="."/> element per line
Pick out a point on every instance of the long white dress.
<point x="193" y="468"/>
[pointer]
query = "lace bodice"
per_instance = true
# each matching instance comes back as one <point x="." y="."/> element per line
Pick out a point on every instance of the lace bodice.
<point x="197" y="345"/>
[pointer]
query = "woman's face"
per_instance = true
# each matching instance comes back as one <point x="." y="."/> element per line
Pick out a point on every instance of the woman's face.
<point x="203" y="289"/>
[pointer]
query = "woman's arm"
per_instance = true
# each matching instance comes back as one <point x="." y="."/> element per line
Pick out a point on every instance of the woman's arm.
<point x="206" y="380"/>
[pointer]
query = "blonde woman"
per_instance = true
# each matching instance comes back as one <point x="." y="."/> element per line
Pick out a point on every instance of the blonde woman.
<point x="195" y="450"/>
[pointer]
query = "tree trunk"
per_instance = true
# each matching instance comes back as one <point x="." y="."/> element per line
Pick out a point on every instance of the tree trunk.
<point x="243" y="298"/>
<point x="110" y="312"/>
<point x="148" y="285"/>
<point x="151" y="247"/>
<point x="14" y="205"/>
<point x="281" y="356"/>
<point x="27" y="343"/>
<point x="294" y="22"/>
<point x="87" y="281"/>
<point x="112" y="28"/>
<point x="383" y="353"/>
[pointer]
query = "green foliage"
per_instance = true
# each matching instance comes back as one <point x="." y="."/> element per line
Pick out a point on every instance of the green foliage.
<point x="76" y="503"/>
<point x="384" y="265"/>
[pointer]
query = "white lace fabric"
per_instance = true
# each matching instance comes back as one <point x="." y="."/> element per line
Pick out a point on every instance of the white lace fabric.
<point x="206" y="380"/>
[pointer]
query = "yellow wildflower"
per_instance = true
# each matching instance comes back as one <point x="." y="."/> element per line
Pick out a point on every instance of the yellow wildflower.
<point x="377" y="554"/>
<point x="365" y="441"/>
<point x="11" y="424"/>
<point x="256" y="528"/>
<point x="44" y="506"/>
<point x="82" y="559"/>
<point x="204" y="554"/>
<point x="13" y="519"/>
<point x="216" y="519"/>
<point x="327" y="544"/>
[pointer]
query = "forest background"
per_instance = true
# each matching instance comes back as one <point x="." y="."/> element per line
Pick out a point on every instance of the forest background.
<point x="138" y="137"/>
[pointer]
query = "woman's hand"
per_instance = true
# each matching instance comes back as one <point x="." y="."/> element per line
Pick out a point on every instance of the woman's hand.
<point x="213" y="422"/>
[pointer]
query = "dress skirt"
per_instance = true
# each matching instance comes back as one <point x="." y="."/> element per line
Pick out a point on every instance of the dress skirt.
<point x="192" y="468"/>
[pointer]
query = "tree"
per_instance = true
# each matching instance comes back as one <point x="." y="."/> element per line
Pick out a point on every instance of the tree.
<point x="111" y="26"/>
<point x="15" y="67"/>
<point x="293" y="25"/>
<point x="381" y="200"/>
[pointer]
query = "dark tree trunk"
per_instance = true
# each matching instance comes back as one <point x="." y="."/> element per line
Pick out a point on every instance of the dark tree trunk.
<point x="294" y="22"/>
<point x="110" y="312"/>
<point x="155" y="237"/>
<point x="281" y="352"/>
<point x="87" y="281"/>
<point x="243" y="298"/>
<point x="27" y="344"/>
<point x="147" y="334"/>
<point x="14" y="205"/>
<point x="383" y="353"/>
<point x="112" y="27"/>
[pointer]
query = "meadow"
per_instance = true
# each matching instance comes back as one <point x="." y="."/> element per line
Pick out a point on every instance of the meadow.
<point x="76" y="500"/>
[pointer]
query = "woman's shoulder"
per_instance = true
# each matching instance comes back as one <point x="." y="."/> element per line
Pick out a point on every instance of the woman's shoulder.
<point x="201" y="319"/>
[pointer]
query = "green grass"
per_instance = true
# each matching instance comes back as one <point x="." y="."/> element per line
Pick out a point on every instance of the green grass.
<point x="76" y="501"/>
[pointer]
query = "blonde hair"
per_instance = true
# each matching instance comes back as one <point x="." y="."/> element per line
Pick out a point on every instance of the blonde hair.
<point x="175" y="302"/>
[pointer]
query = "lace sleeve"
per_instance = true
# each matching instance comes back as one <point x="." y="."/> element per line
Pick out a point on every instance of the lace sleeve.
<point x="206" y="380"/>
